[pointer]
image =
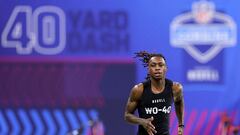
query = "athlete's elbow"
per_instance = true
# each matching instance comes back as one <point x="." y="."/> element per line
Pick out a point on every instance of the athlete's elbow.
<point x="127" y="116"/>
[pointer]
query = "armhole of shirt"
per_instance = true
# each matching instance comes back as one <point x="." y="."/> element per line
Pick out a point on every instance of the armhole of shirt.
<point x="145" y="83"/>
<point x="170" y="83"/>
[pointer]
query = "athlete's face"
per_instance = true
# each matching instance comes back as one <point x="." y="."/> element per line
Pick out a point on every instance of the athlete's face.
<point x="157" y="67"/>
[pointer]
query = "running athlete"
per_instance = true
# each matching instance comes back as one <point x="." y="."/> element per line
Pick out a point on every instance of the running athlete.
<point x="153" y="98"/>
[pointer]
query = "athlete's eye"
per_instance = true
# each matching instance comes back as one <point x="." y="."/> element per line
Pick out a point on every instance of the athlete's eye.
<point x="161" y="65"/>
<point x="153" y="65"/>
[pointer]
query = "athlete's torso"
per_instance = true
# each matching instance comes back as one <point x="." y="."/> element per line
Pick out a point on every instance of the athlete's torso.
<point x="157" y="106"/>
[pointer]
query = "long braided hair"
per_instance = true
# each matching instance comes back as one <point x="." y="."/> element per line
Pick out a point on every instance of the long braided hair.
<point x="144" y="57"/>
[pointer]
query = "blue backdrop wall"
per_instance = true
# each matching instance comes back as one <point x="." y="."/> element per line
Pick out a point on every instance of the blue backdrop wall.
<point x="68" y="65"/>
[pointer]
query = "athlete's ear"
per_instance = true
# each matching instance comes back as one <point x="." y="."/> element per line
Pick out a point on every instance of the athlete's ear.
<point x="148" y="67"/>
<point x="166" y="68"/>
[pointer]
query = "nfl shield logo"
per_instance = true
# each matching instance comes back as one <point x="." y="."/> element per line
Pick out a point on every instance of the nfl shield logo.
<point x="198" y="28"/>
<point x="203" y="33"/>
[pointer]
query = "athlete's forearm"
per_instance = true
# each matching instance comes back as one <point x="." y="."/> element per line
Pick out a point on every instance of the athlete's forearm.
<point x="133" y="119"/>
<point x="179" y="108"/>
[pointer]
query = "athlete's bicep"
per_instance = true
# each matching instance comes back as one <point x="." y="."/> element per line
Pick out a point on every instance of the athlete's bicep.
<point x="133" y="99"/>
<point x="177" y="92"/>
<point x="131" y="106"/>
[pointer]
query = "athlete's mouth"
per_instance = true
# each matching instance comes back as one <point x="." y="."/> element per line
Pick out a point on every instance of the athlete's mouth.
<point x="158" y="73"/>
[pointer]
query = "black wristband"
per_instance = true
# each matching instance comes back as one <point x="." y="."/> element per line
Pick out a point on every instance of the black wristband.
<point x="181" y="125"/>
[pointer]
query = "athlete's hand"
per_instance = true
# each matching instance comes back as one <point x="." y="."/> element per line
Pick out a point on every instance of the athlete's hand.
<point x="148" y="126"/>
<point x="180" y="130"/>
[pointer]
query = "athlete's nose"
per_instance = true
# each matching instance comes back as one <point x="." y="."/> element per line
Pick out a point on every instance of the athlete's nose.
<point x="158" y="67"/>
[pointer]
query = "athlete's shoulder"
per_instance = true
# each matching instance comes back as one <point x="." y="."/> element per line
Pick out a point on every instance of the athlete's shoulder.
<point x="136" y="92"/>
<point x="138" y="88"/>
<point x="177" y="87"/>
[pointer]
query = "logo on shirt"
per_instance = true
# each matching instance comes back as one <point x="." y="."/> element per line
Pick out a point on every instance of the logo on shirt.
<point x="158" y="101"/>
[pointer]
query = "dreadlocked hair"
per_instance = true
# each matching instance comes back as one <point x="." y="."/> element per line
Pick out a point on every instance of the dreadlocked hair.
<point x="144" y="57"/>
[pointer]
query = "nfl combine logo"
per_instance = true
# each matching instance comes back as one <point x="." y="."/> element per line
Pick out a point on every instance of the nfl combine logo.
<point x="203" y="33"/>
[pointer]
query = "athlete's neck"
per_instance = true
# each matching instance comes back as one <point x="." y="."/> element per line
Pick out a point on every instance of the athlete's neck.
<point x="158" y="84"/>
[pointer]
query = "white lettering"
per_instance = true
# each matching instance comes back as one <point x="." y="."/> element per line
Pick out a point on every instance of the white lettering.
<point x="148" y="110"/>
<point x="155" y="110"/>
<point x="203" y="75"/>
<point x="158" y="100"/>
